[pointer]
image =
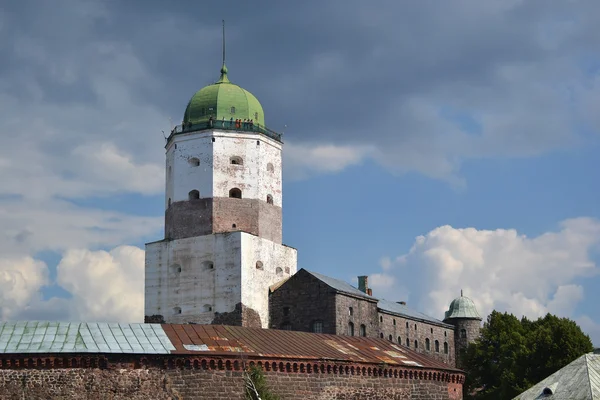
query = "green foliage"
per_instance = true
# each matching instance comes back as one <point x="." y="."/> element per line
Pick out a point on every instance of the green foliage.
<point x="258" y="382"/>
<point x="512" y="355"/>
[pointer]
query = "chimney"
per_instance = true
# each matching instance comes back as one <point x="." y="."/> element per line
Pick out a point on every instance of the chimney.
<point x="401" y="303"/>
<point x="363" y="284"/>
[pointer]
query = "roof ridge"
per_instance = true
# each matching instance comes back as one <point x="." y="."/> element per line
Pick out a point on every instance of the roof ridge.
<point x="587" y="373"/>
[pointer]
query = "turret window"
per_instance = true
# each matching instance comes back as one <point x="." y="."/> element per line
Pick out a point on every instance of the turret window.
<point x="269" y="199"/>
<point x="463" y="333"/>
<point x="194" y="195"/>
<point x="194" y="162"/>
<point x="236" y="160"/>
<point x="235" y="193"/>
<point x="445" y="348"/>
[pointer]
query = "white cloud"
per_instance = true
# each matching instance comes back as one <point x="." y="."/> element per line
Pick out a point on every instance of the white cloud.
<point x="501" y="269"/>
<point x="104" y="286"/>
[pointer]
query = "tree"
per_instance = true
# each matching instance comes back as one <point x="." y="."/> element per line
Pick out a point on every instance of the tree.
<point x="511" y="355"/>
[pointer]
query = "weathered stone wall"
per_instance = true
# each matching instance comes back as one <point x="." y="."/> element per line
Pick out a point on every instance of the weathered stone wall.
<point x="472" y="330"/>
<point x="406" y="330"/>
<point x="358" y="311"/>
<point x="301" y="301"/>
<point x="190" y="218"/>
<point x="137" y="378"/>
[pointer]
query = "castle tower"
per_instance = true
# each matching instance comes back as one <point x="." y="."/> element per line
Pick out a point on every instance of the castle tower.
<point x="223" y="220"/>
<point x="463" y="314"/>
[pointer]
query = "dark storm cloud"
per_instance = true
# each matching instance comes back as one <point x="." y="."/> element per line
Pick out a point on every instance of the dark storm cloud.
<point x="334" y="72"/>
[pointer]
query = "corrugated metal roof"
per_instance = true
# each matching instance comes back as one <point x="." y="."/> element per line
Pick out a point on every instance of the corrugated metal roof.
<point x="271" y="343"/>
<point x="403" y="310"/>
<point x="81" y="337"/>
<point x="339" y="285"/>
<point x="580" y="380"/>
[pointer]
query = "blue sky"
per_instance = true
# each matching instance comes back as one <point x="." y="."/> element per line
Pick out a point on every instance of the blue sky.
<point x="432" y="147"/>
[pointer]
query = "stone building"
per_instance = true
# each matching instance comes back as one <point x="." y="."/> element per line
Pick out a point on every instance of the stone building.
<point x="312" y="302"/>
<point x="463" y="314"/>
<point x="223" y="221"/>
<point x="151" y="361"/>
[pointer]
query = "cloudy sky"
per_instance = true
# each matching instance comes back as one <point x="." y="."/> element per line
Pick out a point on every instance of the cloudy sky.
<point x="435" y="146"/>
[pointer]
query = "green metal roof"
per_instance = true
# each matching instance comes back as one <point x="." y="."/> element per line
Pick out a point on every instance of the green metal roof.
<point x="462" y="307"/>
<point x="223" y="100"/>
<point x="81" y="337"/>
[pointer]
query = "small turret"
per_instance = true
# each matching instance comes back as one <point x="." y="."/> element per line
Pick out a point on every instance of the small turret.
<point x="463" y="314"/>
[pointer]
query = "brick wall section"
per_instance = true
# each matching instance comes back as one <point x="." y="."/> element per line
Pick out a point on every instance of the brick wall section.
<point x="364" y="312"/>
<point x="401" y="331"/>
<point x="305" y="298"/>
<point x="215" y="215"/>
<point x="164" y="377"/>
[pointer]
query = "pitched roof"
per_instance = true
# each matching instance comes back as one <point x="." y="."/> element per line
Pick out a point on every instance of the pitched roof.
<point x="272" y="343"/>
<point x="580" y="380"/>
<point x="402" y="309"/>
<point x="81" y="337"/>
<point x="339" y="285"/>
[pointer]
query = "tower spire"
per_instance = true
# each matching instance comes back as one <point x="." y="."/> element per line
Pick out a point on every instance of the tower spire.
<point x="223" y="78"/>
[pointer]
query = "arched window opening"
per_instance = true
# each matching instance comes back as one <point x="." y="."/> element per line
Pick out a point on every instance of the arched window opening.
<point x="445" y="333"/>
<point x="208" y="265"/>
<point x="259" y="265"/>
<point x="431" y="330"/>
<point x="233" y="225"/>
<point x="207" y="308"/>
<point x="406" y="324"/>
<point x="427" y="344"/>
<point x="194" y="195"/>
<point x="278" y="271"/>
<point x="363" y="330"/>
<point x="407" y="342"/>
<point x="235" y="193"/>
<point x="350" y="311"/>
<point x="381" y="318"/>
<point x="381" y="335"/>
<point x="236" y="160"/>
<point x="269" y="199"/>
<point x="194" y="162"/>
<point x="176" y="310"/>
<point x="416" y="344"/>
<point x="317" y="326"/>
<point x="394" y="321"/>
<point x="270" y="167"/>
<point x="351" y="328"/>
<point x="415" y="327"/>
<point x="437" y="346"/>
<point x="463" y="333"/>
<point x="390" y="338"/>
<point x="399" y="340"/>
<point x="445" y="348"/>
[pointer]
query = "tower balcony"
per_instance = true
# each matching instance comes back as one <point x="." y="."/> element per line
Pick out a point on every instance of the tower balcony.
<point x="227" y="125"/>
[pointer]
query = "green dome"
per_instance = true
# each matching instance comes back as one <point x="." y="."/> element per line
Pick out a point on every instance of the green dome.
<point x="462" y="307"/>
<point x="223" y="99"/>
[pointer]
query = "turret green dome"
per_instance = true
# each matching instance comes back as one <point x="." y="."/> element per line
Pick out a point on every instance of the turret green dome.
<point x="225" y="100"/>
<point x="462" y="307"/>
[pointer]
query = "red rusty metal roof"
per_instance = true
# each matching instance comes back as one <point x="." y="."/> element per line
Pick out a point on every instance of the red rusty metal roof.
<point x="212" y="340"/>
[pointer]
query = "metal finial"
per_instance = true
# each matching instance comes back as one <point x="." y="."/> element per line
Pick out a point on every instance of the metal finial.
<point x="223" y="78"/>
<point x="223" y="42"/>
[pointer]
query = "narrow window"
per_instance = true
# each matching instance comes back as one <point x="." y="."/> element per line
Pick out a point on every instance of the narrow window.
<point x="278" y="271"/>
<point x="259" y="265"/>
<point x="175" y="269"/>
<point x="363" y="330"/>
<point x="445" y="334"/>
<point x="269" y="199"/>
<point x="270" y="167"/>
<point x="390" y="338"/>
<point x="416" y="344"/>
<point x="194" y="162"/>
<point x="381" y="335"/>
<point x="213" y="140"/>
<point x="399" y="340"/>
<point x="169" y="202"/>
<point x="286" y="311"/>
<point x="235" y="193"/>
<point x="445" y="348"/>
<point x="176" y="310"/>
<point x="208" y="265"/>
<point x="236" y="160"/>
<point x="207" y="308"/>
<point x="427" y="344"/>
<point x="317" y="327"/>
<point x="415" y="327"/>
<point x="407" y="342"/>
<point x="381" y="318"/>
<point x="258" y="142"/>
<point x="350" y="311"/>
<point x="431" y="330"/>
<point x="463" y="333"/>
<point x="406" y="324"/>
<point x="437" y="346"/>
<point x="394" y="321"/>
<point x="194" y="195"/>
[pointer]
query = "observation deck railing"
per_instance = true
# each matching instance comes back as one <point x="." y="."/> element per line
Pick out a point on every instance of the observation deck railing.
<point x="228" y="125"/>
